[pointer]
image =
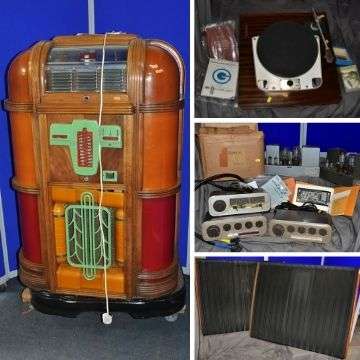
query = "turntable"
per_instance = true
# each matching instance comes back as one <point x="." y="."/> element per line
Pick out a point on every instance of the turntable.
<point x="282" y="61"/>
<point x="287" y="57"/>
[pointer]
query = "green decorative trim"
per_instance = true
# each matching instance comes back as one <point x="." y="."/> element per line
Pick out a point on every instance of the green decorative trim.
<point x="83" y="236"/>
<point x="110" y="175"/>
<point x="84" y="137"/>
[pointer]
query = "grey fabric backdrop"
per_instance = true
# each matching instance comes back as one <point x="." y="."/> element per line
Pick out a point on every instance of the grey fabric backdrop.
<point x="240" y="346"/>
<point x="344" y="22"/>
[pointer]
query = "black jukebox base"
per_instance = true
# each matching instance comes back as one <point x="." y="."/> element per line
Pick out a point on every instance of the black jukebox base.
<point x="73" y="305"/>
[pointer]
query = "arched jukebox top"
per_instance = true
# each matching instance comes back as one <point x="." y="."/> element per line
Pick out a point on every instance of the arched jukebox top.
<point x="54" y="101"/>
<point x="62" y="64"/>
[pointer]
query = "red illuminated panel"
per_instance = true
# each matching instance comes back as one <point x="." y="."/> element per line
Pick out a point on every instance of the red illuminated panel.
<point x="158" y="233"/>
<point x="84" y="148"/>
<point x="29" y="224"/>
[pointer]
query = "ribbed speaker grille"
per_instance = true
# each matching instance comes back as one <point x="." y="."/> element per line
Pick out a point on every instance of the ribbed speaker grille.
<point x="305" y="307"/>
<point x="78" y="79"/>
<point x="225" y="295"/>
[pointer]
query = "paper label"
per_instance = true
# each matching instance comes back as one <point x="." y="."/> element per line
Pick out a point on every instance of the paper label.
<point x="277" y="191"/>
<point x="221" y="79"/>
<point x="231" y="157"/>
<point x="253" y="184"/>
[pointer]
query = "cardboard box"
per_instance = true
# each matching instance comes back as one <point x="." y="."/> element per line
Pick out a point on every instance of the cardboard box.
<point x="231" y="150"/>
<point x="250" y="126"/>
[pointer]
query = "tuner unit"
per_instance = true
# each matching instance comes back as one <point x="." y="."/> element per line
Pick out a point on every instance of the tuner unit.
<point x="222" y="204"/>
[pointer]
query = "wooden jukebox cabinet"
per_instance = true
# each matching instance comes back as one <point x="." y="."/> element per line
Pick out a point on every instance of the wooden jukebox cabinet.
<point x="73" y="235"/>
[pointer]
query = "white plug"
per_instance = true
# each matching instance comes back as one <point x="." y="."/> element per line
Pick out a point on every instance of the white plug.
<point x="106" y="319"/>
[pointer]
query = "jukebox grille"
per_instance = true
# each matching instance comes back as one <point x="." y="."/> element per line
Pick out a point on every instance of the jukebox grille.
<point x="59" y="81"/>
<point x="76" y="80"/>
<point x="79" y="69"/>
<point x="83" y="236"/>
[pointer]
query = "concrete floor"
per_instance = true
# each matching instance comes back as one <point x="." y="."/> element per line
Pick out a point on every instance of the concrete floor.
<point x="29" y="335"/>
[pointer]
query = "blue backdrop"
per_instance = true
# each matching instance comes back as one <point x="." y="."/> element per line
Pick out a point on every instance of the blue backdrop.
<point x="344" y="261"/>
<point x="323" y="135"/>
<point x="22" y="24"/>
<point x="286" y="134"/>
<point x="327" y="136"/>
<point x="25" y="22"/>
<point x="165" y="20"/>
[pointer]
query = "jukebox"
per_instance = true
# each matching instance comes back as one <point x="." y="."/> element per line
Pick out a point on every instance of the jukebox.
<point x="96" y="127"/>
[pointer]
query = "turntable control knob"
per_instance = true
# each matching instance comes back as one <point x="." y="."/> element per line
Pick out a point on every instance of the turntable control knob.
<point x="278" y="230"/>
<point x="219" y="205"/>
<point x="290" y="83"/>
<point x="213" y="231"/>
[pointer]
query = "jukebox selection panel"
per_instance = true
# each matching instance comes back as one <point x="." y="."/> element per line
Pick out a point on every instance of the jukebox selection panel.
<point x="74" y="142"/>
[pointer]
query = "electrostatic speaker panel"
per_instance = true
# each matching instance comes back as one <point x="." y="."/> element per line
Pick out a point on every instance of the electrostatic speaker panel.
<point x="225" y="291"/>
<point x="308" y="307"/>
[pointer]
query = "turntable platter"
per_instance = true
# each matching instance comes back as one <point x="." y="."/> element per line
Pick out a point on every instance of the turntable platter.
<point x="287" y="49"/>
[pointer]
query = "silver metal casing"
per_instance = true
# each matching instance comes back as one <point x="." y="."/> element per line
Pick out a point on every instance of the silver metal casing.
<point x="284" y="170"/>
<point x="230" y="227"/>
<point x="301" y="226"/>
<point x="313" y="193"/>
<point x="237" y="204"/>
<point x="310" y="156"/>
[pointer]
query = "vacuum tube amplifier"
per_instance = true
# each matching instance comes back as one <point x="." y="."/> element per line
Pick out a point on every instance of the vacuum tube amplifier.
<point x="341" y="167"/>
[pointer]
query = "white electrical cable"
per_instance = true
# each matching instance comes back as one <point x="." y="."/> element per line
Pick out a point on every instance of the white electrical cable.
<point x="106" y="317"/>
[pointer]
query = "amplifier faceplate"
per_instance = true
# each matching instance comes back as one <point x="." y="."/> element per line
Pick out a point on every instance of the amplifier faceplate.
<point x="320" y="196"/>
<point x="231" y="227"/>
<point x="236" y="204"/>
<point x="302" y="226"/>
